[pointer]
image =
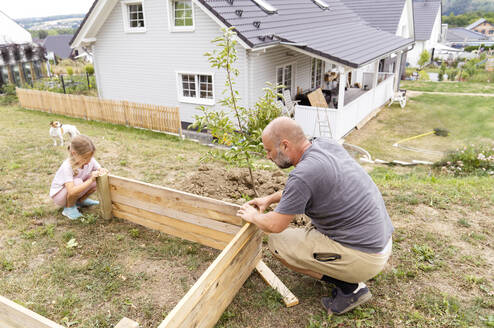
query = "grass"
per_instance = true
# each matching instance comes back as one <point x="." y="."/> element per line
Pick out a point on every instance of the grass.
<point x="468" y="120"/>
<point x="460" y="87"/>
<point x="90" y="273"/>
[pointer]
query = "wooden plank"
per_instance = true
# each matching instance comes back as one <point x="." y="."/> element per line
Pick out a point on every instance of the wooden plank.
<point x="184" y="230"/>
<point x="127" y="323"/>
<point x="204" y="303"/>
<point x="272" y="280"/>
<point x="316" y="99"/>
<point x="13" y="315"/>
<point x="176" y="200"/>
<point x="131" y="201"/>
<point x="104" y="194"/>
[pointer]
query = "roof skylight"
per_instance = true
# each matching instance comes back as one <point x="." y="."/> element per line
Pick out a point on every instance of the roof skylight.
<point x="266" y="6"/>
<point x="322" y="4"/>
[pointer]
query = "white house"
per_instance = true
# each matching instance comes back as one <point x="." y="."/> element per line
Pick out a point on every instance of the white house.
<point x="427" y="21"/>
<point x="152" y="51"/>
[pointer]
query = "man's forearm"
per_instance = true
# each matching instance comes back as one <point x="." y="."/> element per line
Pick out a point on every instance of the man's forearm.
<point x="276" y="197"/>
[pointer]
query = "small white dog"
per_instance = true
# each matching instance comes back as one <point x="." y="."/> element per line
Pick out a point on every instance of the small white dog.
<point x="58" y="130"/>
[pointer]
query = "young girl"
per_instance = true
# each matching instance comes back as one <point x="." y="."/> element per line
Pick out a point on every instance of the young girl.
<point x="75" y="180"/>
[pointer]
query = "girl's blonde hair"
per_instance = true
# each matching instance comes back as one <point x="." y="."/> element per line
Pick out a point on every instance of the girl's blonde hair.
<point x="83" y="147"/>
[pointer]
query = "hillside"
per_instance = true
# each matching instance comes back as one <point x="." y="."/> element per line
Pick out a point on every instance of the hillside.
<point x="464" y="6"/>
<point x="51" y="22"/>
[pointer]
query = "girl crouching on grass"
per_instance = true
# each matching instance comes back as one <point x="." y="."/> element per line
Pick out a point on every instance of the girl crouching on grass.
<point x="75" y="180"/>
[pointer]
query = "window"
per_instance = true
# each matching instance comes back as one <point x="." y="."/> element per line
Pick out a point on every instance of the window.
<point x="491" y="31"/>
<point x="133" y="14"/>
<point x="316" y="73"/>
<point x="196" y="88"/>
<point x="181" y="18"/>
<point x="284" y="76"/>
<point x="16" y="75"/>
<point x="26" y="70"/>
<point x="37" y="69"/>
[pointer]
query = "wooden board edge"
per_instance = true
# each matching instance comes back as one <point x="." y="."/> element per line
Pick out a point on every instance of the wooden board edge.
<point x="272" y="280"/>
<point x="15" y="315"/>
<point x="210" y="276"/>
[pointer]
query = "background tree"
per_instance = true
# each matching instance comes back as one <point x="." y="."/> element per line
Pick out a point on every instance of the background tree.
<point x="424" y="58"/>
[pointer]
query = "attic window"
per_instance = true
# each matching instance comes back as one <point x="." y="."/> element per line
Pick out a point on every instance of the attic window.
<point x="322" y="4"/>
<point x="181" y="16"/>
<point x="133" y="14"/>
<point x="266" y="6"/>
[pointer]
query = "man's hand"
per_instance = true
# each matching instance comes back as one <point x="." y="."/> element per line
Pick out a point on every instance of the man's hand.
<point x="261" y="203"/>
<point x="248" y="212"/>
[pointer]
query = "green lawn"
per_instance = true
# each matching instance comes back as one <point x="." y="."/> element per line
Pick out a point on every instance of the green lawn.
<point x="462" y="87"/>
<point x="468" y="119"/>
<point x="440" y="274"/>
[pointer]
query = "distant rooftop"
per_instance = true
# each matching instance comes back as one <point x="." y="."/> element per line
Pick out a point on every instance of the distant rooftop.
<point x="58" y="44"/>
<point x="461" y="34"/>
<point x="475" y="24"/>
<point x="424" y="16"/>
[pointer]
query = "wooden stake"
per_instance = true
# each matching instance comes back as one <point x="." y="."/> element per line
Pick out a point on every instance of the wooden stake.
<point x="103" y="186"/>
<point x="273" y="281"/>
<point x="127" y="323"/>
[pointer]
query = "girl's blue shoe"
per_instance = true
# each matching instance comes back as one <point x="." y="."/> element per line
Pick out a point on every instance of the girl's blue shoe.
<point x="87" y="202"/>
<point x="71" y="212"/>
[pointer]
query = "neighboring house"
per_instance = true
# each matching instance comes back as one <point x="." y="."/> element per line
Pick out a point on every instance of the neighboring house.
<point x="21" y="60"/>
<point x="57" y="47"/>
<point x="427" y="22"/>
<point x="460" y="37"/>
<point x="153" y="51"/>
<point x="393" y="16"/>
<point x="482" y="26"/>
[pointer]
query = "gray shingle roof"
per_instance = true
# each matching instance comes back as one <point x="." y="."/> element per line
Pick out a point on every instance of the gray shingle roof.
<point x="475" y="24"/>
<point x="424" y="15"/>
<point x="381" y="14"/>
<point x="338" y="34"/>
<point x="58" y="44"/>
<point x="461" y="34"/>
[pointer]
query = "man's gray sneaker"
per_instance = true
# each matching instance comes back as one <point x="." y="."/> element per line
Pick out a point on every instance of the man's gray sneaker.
<point x="339" y="303"/>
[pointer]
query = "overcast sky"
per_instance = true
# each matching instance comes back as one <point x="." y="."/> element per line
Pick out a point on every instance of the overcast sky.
<point x="40" y="8"/>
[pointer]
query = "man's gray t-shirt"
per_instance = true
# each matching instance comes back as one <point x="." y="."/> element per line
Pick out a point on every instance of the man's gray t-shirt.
<point x="337" y="194"/>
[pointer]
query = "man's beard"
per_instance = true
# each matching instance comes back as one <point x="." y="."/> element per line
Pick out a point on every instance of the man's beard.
<point x="282" y="161"/>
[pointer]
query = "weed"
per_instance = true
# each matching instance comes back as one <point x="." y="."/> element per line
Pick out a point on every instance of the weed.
<point x="89" y="218"/>
<point x="6" y="265"/>
<point x="68" y="235"/>
<point x="134" y="233"/>
<point x="464" y="223"/>
<point x="424" y="252"/>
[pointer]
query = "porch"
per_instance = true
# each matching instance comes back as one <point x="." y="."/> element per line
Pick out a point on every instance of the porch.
<point x="358" y="104"/>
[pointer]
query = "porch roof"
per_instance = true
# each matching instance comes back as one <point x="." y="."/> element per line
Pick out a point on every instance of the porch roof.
<point x="338" y="34"/>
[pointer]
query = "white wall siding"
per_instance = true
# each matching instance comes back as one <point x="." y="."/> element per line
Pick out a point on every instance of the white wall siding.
<point x="420" y="46"/>
<point x="142" y="67"/>
<point x="263" y="69"/>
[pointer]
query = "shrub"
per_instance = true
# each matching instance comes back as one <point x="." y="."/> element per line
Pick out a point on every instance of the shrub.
<point x="423" y="76"/>
<point x="472" y="160"/>
<point x="89" y="68"/>
<point x="452" y="74"/>
<point x="424" y="58"/>
<point x="9" y="96"/>
<point x="70" y="71"/>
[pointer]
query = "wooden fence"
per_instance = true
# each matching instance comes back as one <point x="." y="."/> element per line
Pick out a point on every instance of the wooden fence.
<point x="153" y="117"/>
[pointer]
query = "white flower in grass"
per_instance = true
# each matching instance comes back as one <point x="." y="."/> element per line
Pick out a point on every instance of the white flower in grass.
<point x="481" y="157"/>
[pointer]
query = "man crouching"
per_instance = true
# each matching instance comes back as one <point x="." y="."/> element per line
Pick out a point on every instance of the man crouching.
<point x="349" y="239"/>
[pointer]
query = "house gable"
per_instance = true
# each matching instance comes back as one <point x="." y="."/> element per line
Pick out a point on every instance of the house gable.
<point x="425" y="18"/>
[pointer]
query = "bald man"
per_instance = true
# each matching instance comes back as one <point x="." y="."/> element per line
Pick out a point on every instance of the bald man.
<point x="349" y="239"/>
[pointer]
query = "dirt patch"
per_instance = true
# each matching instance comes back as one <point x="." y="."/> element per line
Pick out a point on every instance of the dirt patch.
<point x="232" y="184"/>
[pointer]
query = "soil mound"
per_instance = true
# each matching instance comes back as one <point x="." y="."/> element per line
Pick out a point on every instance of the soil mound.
<point x="232" y="184"/>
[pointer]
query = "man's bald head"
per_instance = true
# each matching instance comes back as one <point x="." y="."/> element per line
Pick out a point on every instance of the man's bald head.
<point x="284" y="128"/>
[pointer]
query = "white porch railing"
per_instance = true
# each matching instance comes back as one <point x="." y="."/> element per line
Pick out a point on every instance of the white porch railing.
<point x="342" y="121"/>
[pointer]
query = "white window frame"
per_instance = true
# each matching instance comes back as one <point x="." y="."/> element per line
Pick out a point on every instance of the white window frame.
<point x="171" y="19"/>
<point x="194" y="100"/>
<point x="293" y="75"/>
<point x="126" y="18"/>
<point x="313" y="83"/>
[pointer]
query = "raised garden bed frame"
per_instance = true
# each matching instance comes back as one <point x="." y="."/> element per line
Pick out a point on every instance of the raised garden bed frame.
<point x="199" y="219"/>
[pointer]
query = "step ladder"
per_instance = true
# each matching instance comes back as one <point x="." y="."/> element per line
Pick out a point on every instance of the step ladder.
<point x="322" y="121"/>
